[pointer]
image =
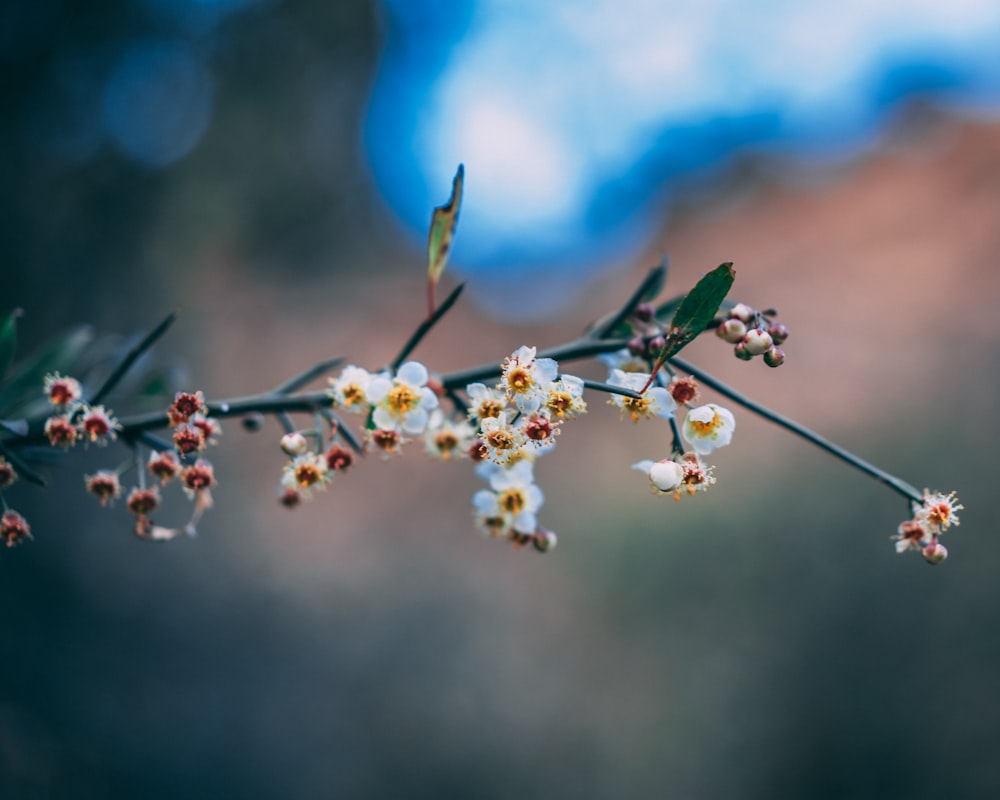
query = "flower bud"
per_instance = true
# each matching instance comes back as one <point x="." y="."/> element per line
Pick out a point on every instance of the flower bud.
<point x="654" y="346"/>
<point x="742" y="353"/>
<point x="774" y="357"/>
<point x="252" y="422"/>
<point x="645" y="312"/>
<point x="544" y="540"/>
<point x="731" y="330"/>
<point x="757" y="341"/>
<point x="935" y="552"/>
<point x="742" y="312"/>
<point x="294" y="444"/>
<point x="666" y="475"/>
<point x="637" y="346"/>
<point x="778" y="332"/>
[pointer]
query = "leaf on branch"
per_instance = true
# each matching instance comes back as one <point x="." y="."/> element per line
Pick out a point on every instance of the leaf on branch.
<point x="8" y="340"/>
<point x="22" y="393"/>
<point x="16" y="426"/>
<point x="698" y="309"/>
<point x="443" y="223"/>
<point x="657" y="280"/>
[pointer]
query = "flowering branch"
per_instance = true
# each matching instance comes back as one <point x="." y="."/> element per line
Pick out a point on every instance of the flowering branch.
<point x="504" y="415"/>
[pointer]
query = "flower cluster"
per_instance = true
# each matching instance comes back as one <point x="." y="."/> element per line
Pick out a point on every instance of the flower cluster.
<point x="503" y="428"/>
<point x="753" y="333"/>
<point x="193" y="431"/>
<point x="705" y="427"/>
<point x="75" y="420"/>
<point x="517" y="420"/>
<point x="932" y="517"/>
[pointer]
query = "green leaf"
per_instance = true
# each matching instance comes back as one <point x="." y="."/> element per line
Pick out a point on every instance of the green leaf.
<point x="443" y="222"/>
<point x="8" y="340"/>
<point x="22" y="393"/>
<point x="698" y="308"/>
<point x="658" y="277"/>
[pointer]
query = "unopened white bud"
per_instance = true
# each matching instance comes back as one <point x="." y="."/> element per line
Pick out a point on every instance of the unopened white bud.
<point x="758" y="341"/>
<point x="935" y="552"/>
<point x="294" y="444"/>
<point x="731" y="330"/>
<point x="742" y="312"/>
<point x="666" y="475"/>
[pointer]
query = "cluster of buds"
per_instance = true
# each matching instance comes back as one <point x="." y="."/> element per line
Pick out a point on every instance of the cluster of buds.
<point x="931" y="517"/>
<point x="74" y="419"/>
<point x="753" y="333"/>
<point x="193" y="431"/>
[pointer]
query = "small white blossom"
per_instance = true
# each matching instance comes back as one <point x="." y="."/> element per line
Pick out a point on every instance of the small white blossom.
<point x="655" y="401"/>
<point x="708" y="427"/>
<point x="938" y="511"/>
<point x="501" y="439"/>
<point x="624" y="360"/>
<point x="484" y="401"/>
<point x="447" y="439"/>
<point x="526" y="378"/>
<point x="349" y="390"/>
<point x="564" y="398"/>
<point x="403" y="402"/>
<point x="512" y="501"/>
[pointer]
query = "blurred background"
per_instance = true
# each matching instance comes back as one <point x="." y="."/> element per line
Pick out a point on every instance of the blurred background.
<point x="271" y="167"/>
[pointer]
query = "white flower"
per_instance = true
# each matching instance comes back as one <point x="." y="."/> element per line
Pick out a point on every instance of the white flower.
<point x="624" y="360"/>
<point x="403" y="402"/>
<point x="708" y="427"/>
<point x="673" y="477"/>
<point x="447" y="439"/>
<point x="485" y="402"/>
<point x="526" y="379"/>
<point x="349" y="390"/>
<point x="655" y="401"/>
<point x="501" y="439"/>
<point x="664" y="476"/>
<point x="564" y="398"/>
<point x="511" y="502"/>
<point x="939" y="511"/>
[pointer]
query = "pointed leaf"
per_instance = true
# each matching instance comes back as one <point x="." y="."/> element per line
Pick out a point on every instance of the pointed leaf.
<point x="698" y="308"/>
<point x="22" y="392"/>
<point x="8" y="340"/>
<point x="443" y="222"/>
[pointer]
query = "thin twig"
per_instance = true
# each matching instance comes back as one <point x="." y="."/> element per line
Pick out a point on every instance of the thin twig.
<point x="132" y="356"/>
<point x="898" y="485"/>
<point x="424" y="327"/>
<point x="297" y="382"/>
<point x="22" y="468"/>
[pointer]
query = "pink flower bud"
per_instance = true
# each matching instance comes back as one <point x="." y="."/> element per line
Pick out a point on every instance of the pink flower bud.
<point x="731" y="330"/>
<point x="294" y="444"/>
<point x="741" y="352"/>
<point x="774" y="357"/>
<point x="757" y="341"/>
<point x="778" y="332"/>
<point x="742" y="312"/>
<point x="935" y="552"/>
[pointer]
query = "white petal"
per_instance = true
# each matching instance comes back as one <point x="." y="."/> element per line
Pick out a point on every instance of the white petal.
<point x="378" y="389"/>
<point x="413" y="372"/>
<point x="415" y="421"/>
<point x="383" y="419"/>
<point x="525" y="522"/>
<point x="485" y="503"/>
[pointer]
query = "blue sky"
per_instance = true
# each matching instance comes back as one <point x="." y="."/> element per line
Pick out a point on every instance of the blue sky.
<point x="573" y="119"/>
